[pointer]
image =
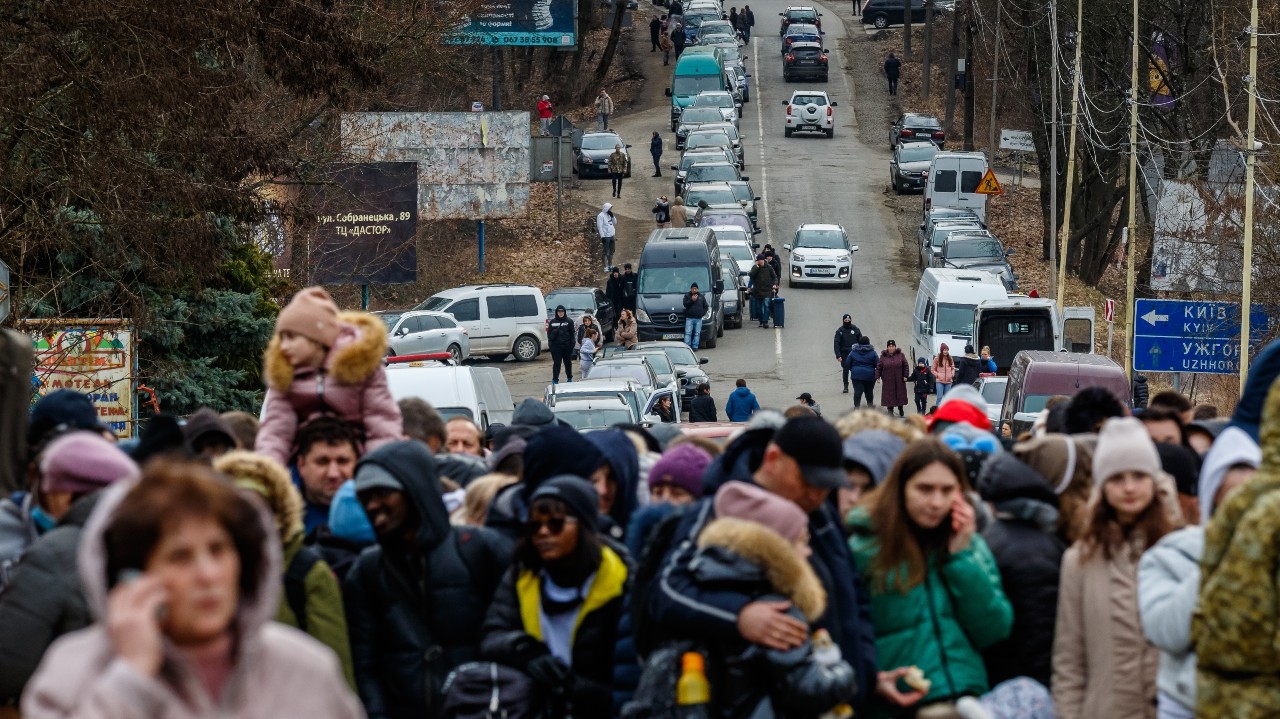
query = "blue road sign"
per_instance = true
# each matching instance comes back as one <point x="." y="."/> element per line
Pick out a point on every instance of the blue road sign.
<point x="1194" y="336"/>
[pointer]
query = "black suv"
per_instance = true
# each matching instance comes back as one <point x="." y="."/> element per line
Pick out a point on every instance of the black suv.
<point x="801" y="14"/>
<point x="883" y="13"/>
<point x="805" y="60"/>
<point x="914" y="127"/>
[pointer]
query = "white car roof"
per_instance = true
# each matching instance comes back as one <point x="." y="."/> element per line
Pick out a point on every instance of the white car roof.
<point x="823" y="93"/>
<point x="818" y="226"/>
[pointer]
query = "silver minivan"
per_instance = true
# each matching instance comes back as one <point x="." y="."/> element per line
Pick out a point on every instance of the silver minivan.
<point x="501" y="319"/>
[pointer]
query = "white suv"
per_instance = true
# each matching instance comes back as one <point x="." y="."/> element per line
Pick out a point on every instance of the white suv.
<point x="820" y="254"/>
<point x="810" y="111"/>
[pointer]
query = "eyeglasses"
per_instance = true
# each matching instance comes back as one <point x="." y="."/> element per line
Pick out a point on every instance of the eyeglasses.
<point x="554" y="525"/>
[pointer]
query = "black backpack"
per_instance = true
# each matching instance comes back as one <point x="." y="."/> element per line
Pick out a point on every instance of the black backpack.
<point x="488" y="690"/>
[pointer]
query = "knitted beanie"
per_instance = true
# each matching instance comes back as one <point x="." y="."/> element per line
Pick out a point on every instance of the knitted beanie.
<point x="681" y="466"/>
<point x="1124" y="445"/>
<point x="311" y="313"/>
<point x="83" y="462"/>
<point x="747" y="501"/>
<point x="578" y="495"/>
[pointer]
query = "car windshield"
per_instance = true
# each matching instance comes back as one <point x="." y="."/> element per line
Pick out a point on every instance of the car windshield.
<point x="681" y="356"/>
<point x="968" y="249"/>
<point x="390" y="319"/>
<point x="688" y="158"/>
<point x="710" y="139"/>
<point x="635" y="372"/>
<point x="711" y="173"/>
<point x="742" y="191"/>
<point x="818" y="100"/>
<point x="672" y="279"/>
<point x="730" y="56"/>
<point x="993" y="392"/>
<point x="435" y="304"/>
<point x="796" y="28"/>
<point x="695" y="20"/>
<point x="719" y="99"/>
<point x="824" y="239"/>
<point x="725" y="127"/>
<point x="594" y="418"/>
<point x="716" y="37"/>
<point x="694" y="84"/>
<point x="711" y="197"/>
<point x="698" y="115"/>
<point x="659" y="361"/>
<point x="712" y="219"/>
<point x="807" y="51"/>
<point x="921" y="121"/>
<point x="573" y="301"/>
<point x="941" y="232"/>
<point x="917" y="153"/>
<point x="737" y="252"/>
<point x="717" y="26"/>
<point x="954" y="320"/>
<point x="804" y="16"/>
<point x="600" y="142"/>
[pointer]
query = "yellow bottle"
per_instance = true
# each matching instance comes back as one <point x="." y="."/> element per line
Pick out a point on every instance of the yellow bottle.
<point x="692" y="687"/>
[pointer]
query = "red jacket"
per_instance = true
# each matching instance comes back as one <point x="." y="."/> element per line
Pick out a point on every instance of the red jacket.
<point x="544" y="109"/>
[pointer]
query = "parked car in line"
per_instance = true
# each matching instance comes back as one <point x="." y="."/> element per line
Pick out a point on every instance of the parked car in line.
<point x="943" y="214"/>
<point x="714" y="194"/>
<point x="691" y="118"/>
<point x="800" y="32"/>
<point x="915" y="127"/>
<point x="500" y="319"/>
<point x="480" y="394"/>
<point x="810" y="111"/>
<point x="739" y="248"/>
<point x="714" y="138"/>
<point x="883" y="13"/>
<point x="633" y="392"/>
<point x="593" y="413"/>
<point x="803" y="14"/>
<point x="717" y="216"/>
<point x="931" y="250"/>
<point x="820" y="253"/>
<point x="978" y="252"/>
<point x="722" y="99"/>
<point x="909" y="165"/>
<point x="636" y="368"/>
<point x="742" y="190"/>
<point x="708" y="155"/>
<point x="729" y="129"/>
<point x="420" y="332"/>
<point x="720" y="171"/>
<point x="806" y="60"/>
<point x="733" y="302"/>
<point x="591" y="157"/>
<point x="579" y="301"/>
<point x="687" y="364"/>
<point x="992" y="390"/>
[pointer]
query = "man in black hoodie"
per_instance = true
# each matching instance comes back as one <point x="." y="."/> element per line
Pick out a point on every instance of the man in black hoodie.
<point x="416" y="601"/>
<point x="847" y="335"/>
<point x="560" y="339"/>
<point x="630" y="287"/>
<point x="615" y="292"/>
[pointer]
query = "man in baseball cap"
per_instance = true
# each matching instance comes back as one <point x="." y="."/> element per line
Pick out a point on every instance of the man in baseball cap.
<point x="804" y="462"/>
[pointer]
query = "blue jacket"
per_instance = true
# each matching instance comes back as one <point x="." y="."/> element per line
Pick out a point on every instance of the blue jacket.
<point x="741" y="405"/>
<point x="861" y="363"/>
<point x="683" y="609"/>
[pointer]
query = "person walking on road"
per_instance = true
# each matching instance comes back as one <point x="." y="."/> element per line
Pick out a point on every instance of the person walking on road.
<point x="922" y="378"/>
<point x="747" y="21"/>
<point x="629" y="287"/>
<point x="678" y="38"/>
<point x="892" y="68"/>
<point x="702" y="408"/>
<point x="742" y="403"/>
<point x="604" y="108"/>
<point x="666" y="46"/>
<point x="679" y="213"/>
<point x="968" y="367"/>
<point x="944" y="370"/>
<point x="618" y="162"/>
<point x="695" y="308"/>
<point x="861" y="365"/>
<point x="607" y="226"/>
<point x="613" y="289"/>
<point x="892" y="371"/>
<point x="544" y="116"/>
<point x="560" y="340"/>
<point x="662" y="212"/>
<point x="806" y="400"/>
<point x="735" y="19"/>
<point x="847" y="335"/>
<point x="655" y="150"/>
<point x="763" y="284"/>
<point x="655" y="32"/>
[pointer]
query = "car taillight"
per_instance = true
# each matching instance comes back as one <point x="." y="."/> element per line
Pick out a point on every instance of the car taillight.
<point x="939" y="135"/>
<point x="824" y="58"/>
<point x="788" y="109"/>
<point x="791" y="58"/>
<point x="906" y="133"/>
<point x="928" y="202"/>
<point x="829" y="113"/>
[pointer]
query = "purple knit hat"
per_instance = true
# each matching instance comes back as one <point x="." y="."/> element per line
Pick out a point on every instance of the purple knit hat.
<point x="83" y="462"/>
<point x="681" y="466"/>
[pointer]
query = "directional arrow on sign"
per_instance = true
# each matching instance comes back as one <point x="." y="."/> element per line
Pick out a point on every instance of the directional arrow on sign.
<point x="1153" y="318"/>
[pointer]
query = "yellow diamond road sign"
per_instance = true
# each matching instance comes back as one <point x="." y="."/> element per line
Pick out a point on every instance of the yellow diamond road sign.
<point x="989" y="184"/>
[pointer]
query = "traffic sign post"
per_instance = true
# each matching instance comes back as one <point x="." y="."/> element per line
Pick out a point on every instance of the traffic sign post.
<point x="1192" y="336"/>
<point x="1109" y="314"/>
<point x="989" y="184"/>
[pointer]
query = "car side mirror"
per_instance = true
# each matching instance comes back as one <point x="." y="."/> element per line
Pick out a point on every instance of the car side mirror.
<point x="746" y="179"/>
<point x="834" y="104"/>
<point x="756" y="232"/>
<point x="853" y="248"/>
<point x="755" y="199"/>
<point x="1009" y="251"/>
<point x="675" y="167"/>
<point x="786" y="102"/>
<point x="704" y="360"/>
<point x="630" y="146"/>
<point x="401" y="331"/>
<point x="787" y="247"/>
<point x="651" y="419"/>
<point x="668" y="92"/>
<point x="825" y="51"/>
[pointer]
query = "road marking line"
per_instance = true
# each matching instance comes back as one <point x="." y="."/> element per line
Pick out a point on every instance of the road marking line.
<point x="764" y="169"/>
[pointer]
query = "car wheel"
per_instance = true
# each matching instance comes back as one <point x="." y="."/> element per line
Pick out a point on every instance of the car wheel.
<point x="720" y="330"/>
<point x="711" y="340"/>
<point x="456" y="351"/>
<point x="896" y="190"/>
<point x="824" y="78"/>
<point x="849" y="285"/>
<point x="525" y="348"/>
<point x="881" y="22"/>
<point x="831" y="133"/>
<point x="786" y="132"/>
<point x="391" y="353"/>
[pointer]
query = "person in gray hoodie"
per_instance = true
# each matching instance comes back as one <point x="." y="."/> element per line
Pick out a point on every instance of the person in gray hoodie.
<point x="1169" y="575"/>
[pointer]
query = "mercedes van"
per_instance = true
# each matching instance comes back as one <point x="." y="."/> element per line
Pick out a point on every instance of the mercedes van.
<point x="672" y="260"/>
<point x="953" y="182"/>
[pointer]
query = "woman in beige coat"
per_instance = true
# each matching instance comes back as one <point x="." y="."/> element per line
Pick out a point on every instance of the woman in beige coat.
<point x="679" y="213"/>
<point x="1103" y="667"/>
<point x="182" y="572"/>
<point x="627" y="333"/>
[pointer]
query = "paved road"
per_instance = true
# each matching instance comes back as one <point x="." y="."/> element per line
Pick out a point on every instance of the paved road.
<point x="802" y="179"/>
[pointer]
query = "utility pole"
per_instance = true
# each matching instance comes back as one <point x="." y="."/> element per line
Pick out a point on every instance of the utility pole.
<point x="953" y="67"/>
<point x="1050" y="253"/>
<point x="906" y="30"/>
<point x="995" y="82"/>
<point x="968" y="81"/>
<point x="1071" y="153"/>
<point x="1250" y="157"/>
<point x="928" y="49"/>
<point x="1130" y="318"/>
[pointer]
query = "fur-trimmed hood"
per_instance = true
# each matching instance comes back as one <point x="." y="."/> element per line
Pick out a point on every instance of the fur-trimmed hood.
<point x="356" y="354"/>
<point x="266" y="477"/>
<point x="745" y="542"/>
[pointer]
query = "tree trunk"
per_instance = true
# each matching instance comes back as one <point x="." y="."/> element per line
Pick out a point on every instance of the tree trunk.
<point x="602" y="69"/>
<point x="906" y="30"/>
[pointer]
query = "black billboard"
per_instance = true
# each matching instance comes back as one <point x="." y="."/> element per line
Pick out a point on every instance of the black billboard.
<point x="366" y="225"/>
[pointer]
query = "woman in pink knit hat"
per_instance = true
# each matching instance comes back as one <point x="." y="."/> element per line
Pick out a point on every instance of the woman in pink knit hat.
<point x="325" y="362"/>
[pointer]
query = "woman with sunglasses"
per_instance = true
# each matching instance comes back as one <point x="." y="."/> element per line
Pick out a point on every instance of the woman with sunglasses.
<point x="556" y="614"/>
<point x="936" y="599"/>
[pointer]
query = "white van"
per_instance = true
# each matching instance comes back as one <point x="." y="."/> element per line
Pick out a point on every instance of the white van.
<point x="477" y="393"/>
<point x="953" y="182"/>
<point x="944" y="310"/>
<point x="500" y="319"/>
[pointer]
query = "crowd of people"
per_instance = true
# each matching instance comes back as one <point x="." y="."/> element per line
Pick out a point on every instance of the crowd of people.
<point x="357" y="556"/>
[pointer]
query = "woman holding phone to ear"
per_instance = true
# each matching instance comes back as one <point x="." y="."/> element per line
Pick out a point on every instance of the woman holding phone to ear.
<point x="182" y="572"/>
<point x="936" y="598"/>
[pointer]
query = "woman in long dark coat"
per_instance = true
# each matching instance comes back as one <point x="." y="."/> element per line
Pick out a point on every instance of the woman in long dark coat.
<point x="892" y="371"/>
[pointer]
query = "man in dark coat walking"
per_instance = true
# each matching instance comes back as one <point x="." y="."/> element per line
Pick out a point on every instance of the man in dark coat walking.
<point x="560" y="340"/>
<point x="892" y="371"/>
<point x="968" y="367"/>
<point x="613" y="289"/>
<point x="1141" y="393"/>
<point x="655" y="150"/>
<point x="847" y="335"/>
<point x="892" y="68"/>
<point x="678" y="38"/>
<point x="630" y="287"/>
<point x="763" y="283"/>
<point x="747" y="20"/>
<point x="655" y="31"/>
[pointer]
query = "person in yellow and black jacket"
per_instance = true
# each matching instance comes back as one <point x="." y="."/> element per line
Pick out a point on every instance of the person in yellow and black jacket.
<point x="556" y="614"/>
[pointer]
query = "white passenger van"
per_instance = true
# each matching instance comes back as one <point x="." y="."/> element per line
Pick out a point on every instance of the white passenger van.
<point x="500" y="319"/>
<point x="944" y="309"/>
<point x="953" y="182"/>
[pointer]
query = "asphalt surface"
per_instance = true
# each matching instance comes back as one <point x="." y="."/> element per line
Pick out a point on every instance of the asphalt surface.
<point x="805" y="178"/>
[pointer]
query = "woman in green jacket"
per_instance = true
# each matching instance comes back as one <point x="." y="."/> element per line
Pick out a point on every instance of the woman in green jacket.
<point x="936" y="599"/>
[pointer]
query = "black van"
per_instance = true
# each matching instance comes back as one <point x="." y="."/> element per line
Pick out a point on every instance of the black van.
<point x="883" y="13"/>
<point x="671" y="261"/>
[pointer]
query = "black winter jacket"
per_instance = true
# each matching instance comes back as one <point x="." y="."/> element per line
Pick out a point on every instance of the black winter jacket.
<point x="415" y="612"/>
<point x="1141" y="393"/>
<point x="560" y="331"/>
<point x="846" y="337"/>
<point x="630" y="288"/>
<point x="44" y="600"/>
<point x="508" y="641"/>
<point x="1029" y="554"/>
<point x="703" y="409"/>
<point x="695" y="309"/>
<point x="967" y="370"/>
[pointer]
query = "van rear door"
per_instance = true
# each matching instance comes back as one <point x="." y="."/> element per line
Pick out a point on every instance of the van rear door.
<point x="1077" y="329"/>
<point x="953" y="182"/>
<point x="1009" y="330"/>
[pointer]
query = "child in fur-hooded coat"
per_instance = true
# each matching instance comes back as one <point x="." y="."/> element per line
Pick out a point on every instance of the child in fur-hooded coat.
<point x="325" y="362"/>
